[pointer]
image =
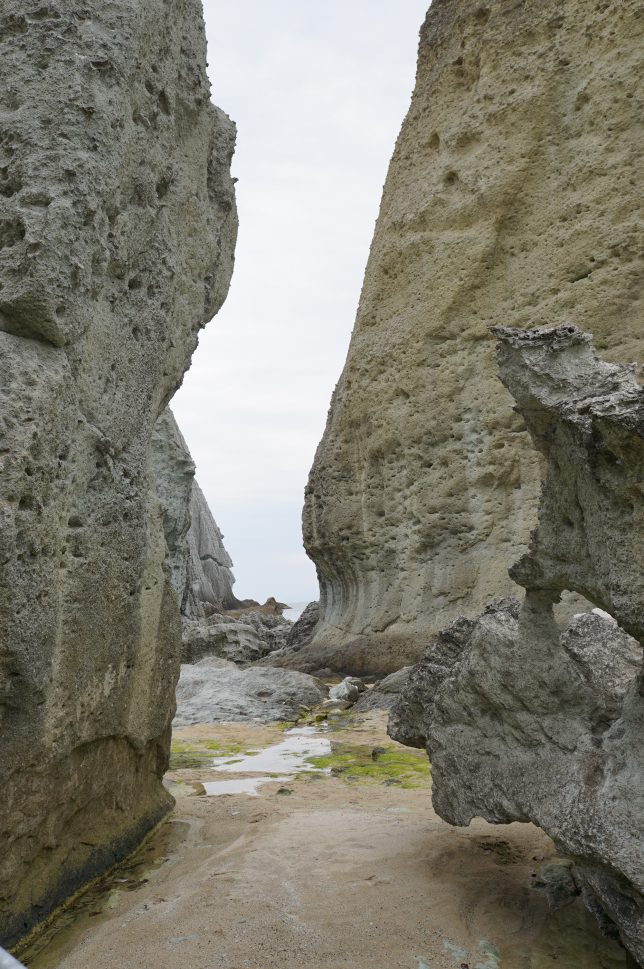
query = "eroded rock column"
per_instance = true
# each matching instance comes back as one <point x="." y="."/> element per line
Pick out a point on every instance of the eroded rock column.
<point x="117" y="231"/>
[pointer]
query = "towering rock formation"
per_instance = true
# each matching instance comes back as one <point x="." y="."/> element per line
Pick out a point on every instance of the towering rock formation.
<point x="200" y="565"/>
<point x="117" y="230"/>
<point x="524" y="721"/>
<point x="210" y="579"/>
<point x="512" y="196"/>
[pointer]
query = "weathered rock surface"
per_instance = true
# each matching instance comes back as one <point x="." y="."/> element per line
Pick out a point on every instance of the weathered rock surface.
<point x="385" y="693"/>
<point x="523" y="721"/>
<point x="303" y="628"/>
<point x="212" y="694"/>
<point x="117" y="230"/>
<point x="199" y="563"/>
<point x="243" y="640"/>
<point x="210" y="577"/>
<point x="512" y="196"/>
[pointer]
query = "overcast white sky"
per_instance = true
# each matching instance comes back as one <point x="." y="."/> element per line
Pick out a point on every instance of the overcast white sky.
<point x="318" y="91"/>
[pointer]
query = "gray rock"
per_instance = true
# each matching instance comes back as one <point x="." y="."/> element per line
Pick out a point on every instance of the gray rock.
<point x="229" y="639"/>
<point x="243" y="640"/>
<point x="384" y="694"/>
<point x="200" y="565"/>
<point x="117" y="230"/>
<point x="523" y="721"/>
<point x="174" y="473"/>
<point x="304" y="628"/>
<point x="349" y="689"/>
<point x="208" y="694"/>
<point x="210" y="579"/>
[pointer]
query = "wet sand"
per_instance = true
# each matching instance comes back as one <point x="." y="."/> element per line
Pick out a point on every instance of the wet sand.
<point x="336" y="873"/>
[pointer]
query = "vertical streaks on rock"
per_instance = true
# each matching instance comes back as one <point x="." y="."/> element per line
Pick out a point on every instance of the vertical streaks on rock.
<point x="200" y="566"/>
<point x="512" y="196"/>
<point x="117" y="231"/>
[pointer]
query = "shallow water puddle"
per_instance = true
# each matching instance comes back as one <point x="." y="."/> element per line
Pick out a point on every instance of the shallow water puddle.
<point x="279" y="762"/>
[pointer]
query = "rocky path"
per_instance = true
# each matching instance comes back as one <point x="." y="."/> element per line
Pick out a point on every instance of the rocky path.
<point x="339" y="867"/>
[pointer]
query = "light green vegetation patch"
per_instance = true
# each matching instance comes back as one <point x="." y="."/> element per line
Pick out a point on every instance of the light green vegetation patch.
<point x="184" y="755"/>
<point x="363" y="762"/>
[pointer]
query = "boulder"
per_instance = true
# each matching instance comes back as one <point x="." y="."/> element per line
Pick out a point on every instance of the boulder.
<point x="117" y="231"/>
<point x="348" y="690"/>
<point x="523" y="720"/>
<point x="512" y="195"/>
<point x="384" y="694"/>
<point x="212" y="694"/>
<point x="303" y="628"/>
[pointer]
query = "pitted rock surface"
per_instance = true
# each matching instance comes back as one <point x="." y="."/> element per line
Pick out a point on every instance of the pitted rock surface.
<point x="512" y="196"/>
<point x="523" y="721"/>
<point x="117" y="231"/>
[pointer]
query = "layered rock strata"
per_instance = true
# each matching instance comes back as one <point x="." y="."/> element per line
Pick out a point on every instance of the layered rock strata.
<point x="200" y="565"/>
<point x="524" y="721"/>
<point x="117" y="231"/>
<point x="512" y="195"/>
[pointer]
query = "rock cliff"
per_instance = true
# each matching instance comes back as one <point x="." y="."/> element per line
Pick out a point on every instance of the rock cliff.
<point x="117" y="231"/>
<point x="527" y="721"/>
<point x="512" y="196"/>
<point x="199" y="563"/>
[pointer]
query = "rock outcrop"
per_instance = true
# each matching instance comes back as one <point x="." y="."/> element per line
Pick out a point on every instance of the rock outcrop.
<point x="210" y="693"/>
<point x="524" y="721"/>
<point x="512" y="196"/>
<point x="117" y="231"/>
<point x="210" y="579"/>
<point x="199" y="563"/>
<point x="240" y="640"/>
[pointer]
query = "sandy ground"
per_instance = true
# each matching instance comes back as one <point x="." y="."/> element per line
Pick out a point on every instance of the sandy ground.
<point x="334" y="874"/>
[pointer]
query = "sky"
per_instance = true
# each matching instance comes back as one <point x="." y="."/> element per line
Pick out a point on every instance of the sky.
<point x="318" y="92"/>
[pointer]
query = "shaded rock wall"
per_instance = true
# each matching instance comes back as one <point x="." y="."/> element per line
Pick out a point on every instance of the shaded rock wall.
<point x="524" y="721"/>
<point x="210" y="579"/>
<point x="512" y="196"/>
<point x="200" y="565"/>
<point x="117" y="230"/>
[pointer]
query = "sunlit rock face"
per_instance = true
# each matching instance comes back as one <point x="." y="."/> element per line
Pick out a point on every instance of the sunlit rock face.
<point x="511" y="197"/>
<point x="527" y="721"/>
<point x="200" y="566"/>
<point x="117" y="231"/>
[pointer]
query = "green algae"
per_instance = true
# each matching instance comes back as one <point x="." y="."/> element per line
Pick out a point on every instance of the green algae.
<point x="184" y="755"/>
<point x="386" y="765"/>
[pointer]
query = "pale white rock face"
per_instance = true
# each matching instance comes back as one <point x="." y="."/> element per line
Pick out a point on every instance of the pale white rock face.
<point x="524" y="720"/>
<point x="512" y="197"/>
<point x="117" y="231"/>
